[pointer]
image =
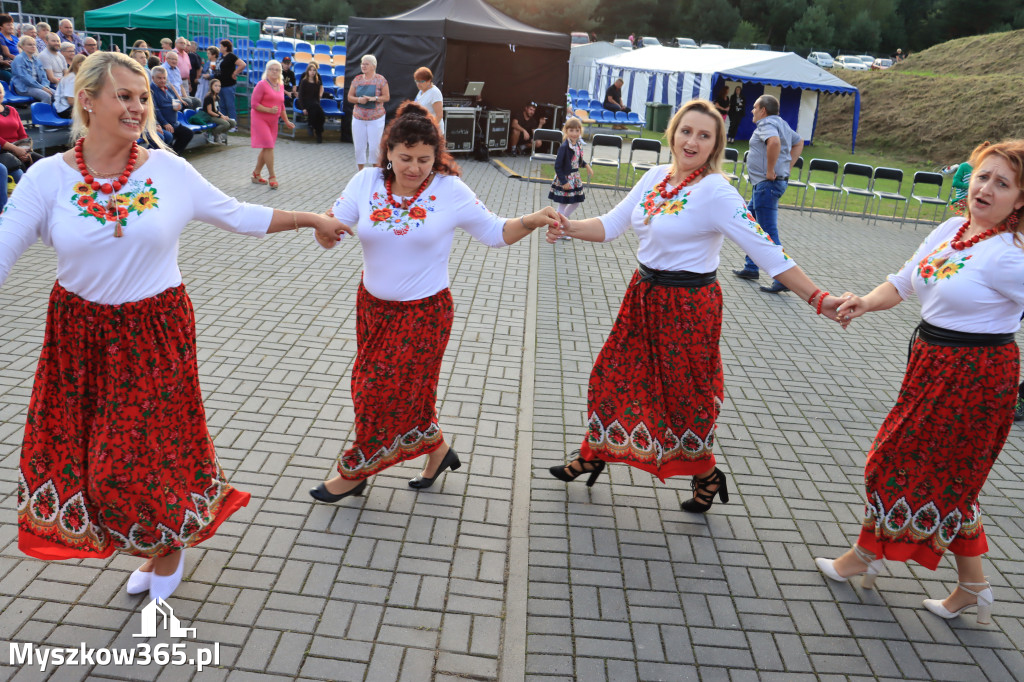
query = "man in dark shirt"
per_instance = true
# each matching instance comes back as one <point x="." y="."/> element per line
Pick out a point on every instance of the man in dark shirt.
<point x="523" y="125"/>
<point x="290" y="83"/>
<point x="164" y="106"/>
<point x="613" y="97"/>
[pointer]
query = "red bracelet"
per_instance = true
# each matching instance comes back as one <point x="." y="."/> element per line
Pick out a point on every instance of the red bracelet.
<point x="810" y="301"/>
<point x="820" y="301"/>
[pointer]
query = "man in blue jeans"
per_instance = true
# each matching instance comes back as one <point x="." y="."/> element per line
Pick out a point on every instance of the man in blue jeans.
<point x="774" y="149"/>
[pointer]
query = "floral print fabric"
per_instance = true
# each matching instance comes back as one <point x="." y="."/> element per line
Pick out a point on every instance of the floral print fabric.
<point x="385" y="217"/>
<point x="117" y="455"/>
<point x="136" y="197"/>
<point x="400" y="346"/>
<point x="657" y="386"/>
<point x="931" y="457"/>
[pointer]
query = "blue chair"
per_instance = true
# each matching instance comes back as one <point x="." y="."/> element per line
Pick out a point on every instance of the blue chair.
<point x="241" y="42"/>
<point x="320" y="48"/>
<point x="584" y="93"/>
<point x="595" y="104"/>
<point x="326" y="72"/>
<point x="281" y="54"/>
<point x="303" y="47"/>
<point x="299" y="69"/>
<point x="597" y="115"/>
<point x="620" y="117"/>
<point x="14" y="99"/>
<point x="47" y="120"/>
<point x="339" y="50"/>
<point x="572" y="93"/>
<point x="202" y="42"/>
<point x="285" y="46"/>
<point x="331" y="90"/>
<point x="633" y="119"/>
<point x="264" y="45"/>
<point x="185" y="119"/>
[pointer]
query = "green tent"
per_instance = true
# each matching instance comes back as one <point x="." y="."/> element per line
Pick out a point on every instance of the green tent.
<point x="151" y="20"/>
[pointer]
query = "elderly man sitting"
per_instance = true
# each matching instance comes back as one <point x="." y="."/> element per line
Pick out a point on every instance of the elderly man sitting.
<point x="166" y="109"/>
<point x="27" y="75"/>
<point x="68" y="35"/>
<point x="91" y="45"/>
<point x="174" y="81"/>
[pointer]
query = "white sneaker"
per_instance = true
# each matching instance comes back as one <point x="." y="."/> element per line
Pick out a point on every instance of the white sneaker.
<point x="233" y="130"/>
<point x="163" y="586"/>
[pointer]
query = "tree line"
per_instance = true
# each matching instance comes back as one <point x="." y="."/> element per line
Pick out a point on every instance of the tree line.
<point x="875" y="26"/>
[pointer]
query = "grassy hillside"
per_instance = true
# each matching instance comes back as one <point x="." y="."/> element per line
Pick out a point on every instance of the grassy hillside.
<point x="937" y="105"/>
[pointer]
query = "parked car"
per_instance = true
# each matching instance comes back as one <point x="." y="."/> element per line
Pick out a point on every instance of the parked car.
<point x="867" y="59"/>
<point x="687" y="43"/>
<point x="850" y="63"/>
<point x="275" y="26"/>
<point x="339" y="32"/>
<point x="623" y="43"/>
<point x="579" y="38"/>
<point x="761" y="46"/>
<point x="822" y="59"/>
<point x="711" y="46"/>
<point x="647" y="41"/>
<point x="309" y="31"/>
<point x="881" y="63"/>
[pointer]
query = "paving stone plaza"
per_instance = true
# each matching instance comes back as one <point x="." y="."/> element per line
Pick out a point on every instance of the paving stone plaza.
<point x="500" y="571"/>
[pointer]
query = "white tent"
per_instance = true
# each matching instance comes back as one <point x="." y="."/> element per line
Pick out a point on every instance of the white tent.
<point x="672" y="76"/>
<point x="582" y="58"/>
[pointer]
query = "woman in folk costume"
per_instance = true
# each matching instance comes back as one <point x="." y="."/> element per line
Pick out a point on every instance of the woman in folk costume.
<point x="406" y="214"/>
<point x="930" y="459"/>
<point x="117" y="456"/>
<point x="657" y="387"/>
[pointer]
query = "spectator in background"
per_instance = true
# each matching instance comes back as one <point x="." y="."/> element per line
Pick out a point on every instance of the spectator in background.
<point x="175" y="82"/>
<point x="207" y="72"/>
<point x="166" y="109"/>
<point x="289" y="80"/>
<point x="184" y="65"/>
<point x="67" y="51"/>
<point x="737" y="109"/>
<point x="91" y="45"/>
<point x="230" y="67"/>
<point x="14" y="158"/>
<point x="267" y="108"/>
<point x="64" y="97"/>
<point x="523" y="125"/>
<point x="210" y="113"/>
<point x="429" y="96"/>
<point x="311" y="91"/>
<point x="142" y="57"/>
<point x="42" y="30"/>
<point x="368" y="92"/>
<point x="52" y="60"/>
<point x="165" y="46"/>
<point x="613" y="101"/>
<point x="68" y="35"/>
<point x="195" y="66"/>
<point x="28" y="75"/>
<point x="29" y="30"/>
<point x="152" y="63"/>
<point x="8" y="47"/>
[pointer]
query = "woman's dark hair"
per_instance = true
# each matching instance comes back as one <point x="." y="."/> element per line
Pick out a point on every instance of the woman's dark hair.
<point x="413" y="125"/>
<point x="153" y="62"/>
<point x="315" y="72"/>
<point x="6" y="19"/>
<point x="228" y="44"/>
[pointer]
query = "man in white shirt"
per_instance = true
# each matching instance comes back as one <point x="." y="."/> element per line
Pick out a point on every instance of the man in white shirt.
<point x="52" y="60"/>
<point x="175" y="84"/>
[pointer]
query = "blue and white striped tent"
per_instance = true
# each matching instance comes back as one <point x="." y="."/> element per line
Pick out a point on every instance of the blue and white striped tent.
<point x="671" y="75"/>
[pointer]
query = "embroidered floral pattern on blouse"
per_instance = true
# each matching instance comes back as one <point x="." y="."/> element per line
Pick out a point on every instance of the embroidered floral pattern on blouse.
<point x="399" y="220"/>
<point x="653" y="207"/>
<point x="932" y="268"/>
<point x="138" y="196"/>
<point x="744" y="213"/>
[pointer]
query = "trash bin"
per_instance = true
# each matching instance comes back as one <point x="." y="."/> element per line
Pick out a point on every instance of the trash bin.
<point x="657" y="116"/>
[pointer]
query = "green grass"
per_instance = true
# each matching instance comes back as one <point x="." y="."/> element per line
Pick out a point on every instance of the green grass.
<point x="793" y="196"/>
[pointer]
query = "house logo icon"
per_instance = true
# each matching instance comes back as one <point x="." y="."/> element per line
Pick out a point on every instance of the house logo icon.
<point x="159" y="610"/>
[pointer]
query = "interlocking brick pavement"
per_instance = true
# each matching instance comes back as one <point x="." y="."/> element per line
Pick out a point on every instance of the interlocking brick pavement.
<point x="500" y="571"/>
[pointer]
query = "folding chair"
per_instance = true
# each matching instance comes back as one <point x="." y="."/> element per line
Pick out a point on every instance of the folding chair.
<point x="856" y="170"/>
<point x="642" y="145"/>
<point x="796" y="177"/>
<point x="826" y="166"/>
<point x="611" y="156"/>
<point x="929" y="180"/>
<point x="887" y="175"/>
<point x="544" y="135"/>
<point x="732" y="156"/>
<point x="744" y="176"/>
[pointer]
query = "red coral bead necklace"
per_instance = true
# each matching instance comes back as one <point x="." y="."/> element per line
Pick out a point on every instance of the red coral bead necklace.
<point x="667" y="194"/>
<point x="111" y="188"/>
<point x="406" y="203"/>
<point x="959" y="244"/>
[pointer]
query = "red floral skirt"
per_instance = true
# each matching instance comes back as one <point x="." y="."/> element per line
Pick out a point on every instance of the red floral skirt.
<point x="657" y="386"/>
<point x="400" y="346"/>
<point x="933" y="453"/>
<point x="117" y="455"/>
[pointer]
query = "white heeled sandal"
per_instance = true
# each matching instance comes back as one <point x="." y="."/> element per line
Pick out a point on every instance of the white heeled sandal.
<point x="984" y="603"/>
<point x="138" y="581"/>
<point x="870" y="573"/>
<point x="163" y="586"/>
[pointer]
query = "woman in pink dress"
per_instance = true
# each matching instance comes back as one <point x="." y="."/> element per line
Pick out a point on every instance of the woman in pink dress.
<point x="267" y="108"/>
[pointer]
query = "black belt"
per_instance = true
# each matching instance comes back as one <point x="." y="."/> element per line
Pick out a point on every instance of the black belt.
<point x="676" y="278"/>
<point x="939" y="336"/>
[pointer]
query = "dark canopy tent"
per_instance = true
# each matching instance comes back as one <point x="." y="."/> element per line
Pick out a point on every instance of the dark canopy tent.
<point x="462" y="41"/>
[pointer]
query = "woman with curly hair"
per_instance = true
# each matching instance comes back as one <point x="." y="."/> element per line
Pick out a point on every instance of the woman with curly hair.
<point x="406" y="213"/>
<point x="936" y="447"/>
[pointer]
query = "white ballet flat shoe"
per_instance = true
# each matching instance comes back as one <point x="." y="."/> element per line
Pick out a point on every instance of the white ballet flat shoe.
<point x="163" y="586"/>
<point x="138" y="581"/>
<point x="984" y="604"/>
<point x="873" y="567"/>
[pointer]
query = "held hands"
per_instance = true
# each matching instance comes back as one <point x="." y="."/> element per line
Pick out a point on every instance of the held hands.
<point x="329" y="230"/>
<point x="851" y="307"/>
<point x="563" y="228"/>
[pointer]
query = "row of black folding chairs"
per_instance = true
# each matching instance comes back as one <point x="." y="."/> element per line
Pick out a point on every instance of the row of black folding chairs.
<point x="605" y="151"/>
<point x="879" y="184"/>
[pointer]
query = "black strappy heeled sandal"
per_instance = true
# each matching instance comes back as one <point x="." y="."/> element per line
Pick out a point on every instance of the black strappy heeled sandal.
<point x="703" y="497"/>
<point x="576" y="468"/>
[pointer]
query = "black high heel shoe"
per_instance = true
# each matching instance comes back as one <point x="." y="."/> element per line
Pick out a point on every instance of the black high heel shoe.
<point x="450" y="461"/>
<point x="577" y="468"/>
<point x="321" y="493"/>
<point x="703" y="497"/>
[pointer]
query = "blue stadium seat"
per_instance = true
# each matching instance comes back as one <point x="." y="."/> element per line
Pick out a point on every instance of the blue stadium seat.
<point x="320" y="48"/>
<point x="304" y="47"/>
<point x="285" y="46"/>
<point x="264" y="45"/>
<point x="339" y="50"/>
